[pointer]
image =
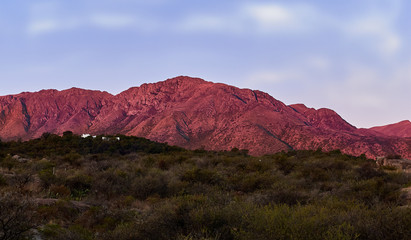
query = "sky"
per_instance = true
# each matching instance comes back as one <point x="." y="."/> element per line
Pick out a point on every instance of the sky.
<point x="348" y="55"/>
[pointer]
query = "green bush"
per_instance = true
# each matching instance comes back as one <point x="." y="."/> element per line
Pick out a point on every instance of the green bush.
<point x="138" y="189"/>
<point x="154" y="183"/>
<point x="59" y="191"/>
<point x="200" y="175"/>
<point x="47" y="177"/>
<point x="79" y="185"/>
<point x="3" y="181"/>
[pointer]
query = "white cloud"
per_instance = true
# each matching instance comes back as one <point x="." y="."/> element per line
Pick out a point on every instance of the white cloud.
<point x="320" y="63"/>
<point x="273" y="17"/>
<point x="112" y="21"/>
<point x="377" y="31"/>
<point x="270" y="14"/>
<point x="271" y="77"/>
<point x="361" y="87"/>
<point x="253" y="18"/>
<point x="376" y="27"/>
<point x="307" y="69"/>
<point x="203" y="23"/>
<point x="50" y="25"/>
<point x="371" y="96"/>
<point x="374" y="30"/>
<point x="42" y="26"/>
<point x="49" y="17"/>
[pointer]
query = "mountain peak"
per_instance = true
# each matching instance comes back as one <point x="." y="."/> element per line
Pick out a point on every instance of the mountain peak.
<point x="323" y="118"/>
<point x="400" y="129"/>
<point x="182" y="82"/>
<point x="191" y="113"/>
<point x="186" y="80"/>
<point x="299" y="107"/>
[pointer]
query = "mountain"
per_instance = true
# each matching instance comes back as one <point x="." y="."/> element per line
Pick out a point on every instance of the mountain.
<point x="401" y="129"/>
<point x="29" y="115"/>
<point x="192" y="113"/>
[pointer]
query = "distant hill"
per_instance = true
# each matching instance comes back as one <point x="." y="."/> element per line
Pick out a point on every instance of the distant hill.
<point x="401" y="129"/>
<point x="192" y="113"/>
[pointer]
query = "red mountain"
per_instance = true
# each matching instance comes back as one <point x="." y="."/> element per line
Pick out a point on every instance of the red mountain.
<point x="192" y="113"/>
<point x="401" y="129"/>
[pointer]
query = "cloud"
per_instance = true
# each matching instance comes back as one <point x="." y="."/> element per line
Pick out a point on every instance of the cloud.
<point x="373" y="30"/>
<point x="376" y="27"/>
<point x="368" y="29"/>
<point x="378" y="31"/>
<point x="203" y="22"/>
<point x="307" y="69"/>
<point x="270" y="14"/>
<point x="42" y="26"/>
<point x="51" y="17"/>
<point x="364" y="94"/>
<point x="271" y="76"/>
<point x="112" y="21"/>
<point x="97" y="20"/>
<point x="261" y="18"/>
<point x="371" y="95"/>
<point x="362" y="86"/>
<point x="274" y="17"/>
<point x="320" y="63"/>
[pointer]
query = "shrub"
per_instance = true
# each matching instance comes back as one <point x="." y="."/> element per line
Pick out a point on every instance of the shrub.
<point x="3" y="181"/>
<point x="284" y="164"/>
<point x="200" y="175"/>
<point x="20" y="180"/>
<point x="17" y="216"/>
<point x="8" y="162"/>
<point x="73" y="158"/>
<point x="61" y="211"/>
<point x="368" y="171"/>
<point x="79" y="185"/>
<point x="154" y="183"/>
<point x="47" y="177"/>
<point x="59" y="191"/>
<point x="124" y="231"/>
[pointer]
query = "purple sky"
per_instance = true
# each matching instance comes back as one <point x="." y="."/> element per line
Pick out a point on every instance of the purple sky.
<point x="351" y="56"/>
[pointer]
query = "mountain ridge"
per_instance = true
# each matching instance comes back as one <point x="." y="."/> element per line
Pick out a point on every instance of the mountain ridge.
<point x="192" y="113"/>
<point x="400" y="129"/>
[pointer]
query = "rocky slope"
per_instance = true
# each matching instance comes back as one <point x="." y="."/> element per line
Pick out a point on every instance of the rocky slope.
<point x="192" y="113"/>
<point x="401" y="129"/>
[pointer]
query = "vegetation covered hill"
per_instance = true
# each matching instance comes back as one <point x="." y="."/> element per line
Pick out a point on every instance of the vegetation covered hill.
<point x="120" y="187"/>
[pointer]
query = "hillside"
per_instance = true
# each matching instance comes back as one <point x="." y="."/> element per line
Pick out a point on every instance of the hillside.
<point x="401" y="129"/>
<point x="121" y="187"/>
<point x="192" y="113"/>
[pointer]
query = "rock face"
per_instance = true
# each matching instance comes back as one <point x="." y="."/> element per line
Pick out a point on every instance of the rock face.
<point x="192" y="113"/>
<point x="401" y="129"/>
<point x="28" y="115"/>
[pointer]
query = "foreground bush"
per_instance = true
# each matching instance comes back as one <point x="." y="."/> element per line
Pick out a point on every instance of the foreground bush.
<point x="74" y="188"/>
